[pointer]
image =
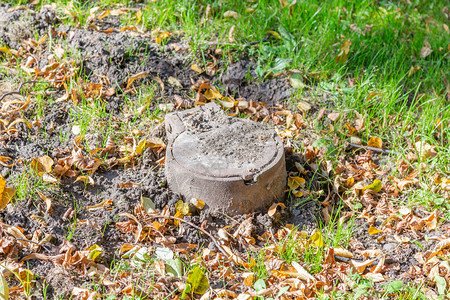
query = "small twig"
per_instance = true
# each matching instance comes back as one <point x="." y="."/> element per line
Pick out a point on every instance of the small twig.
<point x="27" y="241"/>
<point x="348" y="259"/>
<point x="19" y="90"/>
<point x="379" y="150"/>
<point x="198" y="228"/>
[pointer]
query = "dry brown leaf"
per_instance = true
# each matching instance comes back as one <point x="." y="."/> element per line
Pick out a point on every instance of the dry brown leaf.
<point x="231" y="14"/>
<point x="273" y="208"/>
<point x="174" y="82"/>
<point x="345" y="49"/>
<point x="343" y="252"/>
<point x="361" y="266"/>
<point x="6" y="161"/>
<point x="48" y="202"/>
<point x="107" y="203"/>
<point x="333" y="116"/>
<point x="196" y="68"/>
<point x="134" y="77"/>
<point x="86" y="179"/>
<point x="426" y="49"/>
<point x="6" y="193"/>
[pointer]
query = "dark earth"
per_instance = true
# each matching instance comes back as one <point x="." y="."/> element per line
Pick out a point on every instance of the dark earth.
<point x="118" y="56"/>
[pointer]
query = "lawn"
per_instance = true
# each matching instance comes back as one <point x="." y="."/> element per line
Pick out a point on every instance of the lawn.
<point x="358" y="92"/>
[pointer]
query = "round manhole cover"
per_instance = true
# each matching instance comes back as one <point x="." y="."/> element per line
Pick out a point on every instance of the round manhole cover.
<point x="242" y="148"/>
<point x="233" y="165"/>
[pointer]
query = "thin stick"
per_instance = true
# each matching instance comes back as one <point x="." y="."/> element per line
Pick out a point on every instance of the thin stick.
<point x="19" y="90"/>
<point x="198" y="228"/>
<point x="379" y="150"/>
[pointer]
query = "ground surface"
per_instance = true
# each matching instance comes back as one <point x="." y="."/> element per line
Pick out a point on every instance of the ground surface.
<point x="85" y="207"/>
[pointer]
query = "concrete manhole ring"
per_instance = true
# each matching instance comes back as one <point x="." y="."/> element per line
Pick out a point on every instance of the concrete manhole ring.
<point x="234" y="165"/>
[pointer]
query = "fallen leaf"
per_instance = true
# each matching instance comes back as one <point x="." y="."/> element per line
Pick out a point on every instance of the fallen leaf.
<point x="134" y="77"/>
<point x="375" y="186"/>
<point x="345" y="49"/>
<point x="4" y="288"/>
<point x="343" y="252"/>
<point x="162" y="36"/>
<point x="426" y="49"/>
<point x="413" y="70"/>
<point x="6" y="193"/>
<point x="425" y="150"/>
<point x="231" y="14"/>
<point x="182" y="207"/>
<point x="375" y="142"/>
<point x="198" y="281"/>
<point x="6" y="161"/>
<point x="199" y="204"/>
<point x="196" y="68"/>
<point x="273" y="208"/>
<point x="48" y="202"/>
<point x="174" y="82"/>
<point x="105" y="203"/>
<point x="148" y="204"/>
<point x="373" y="230"/>
<point x="303" y="106"/>
<point x="231" y="34"/>
<point x="295" y="182"/>
<point x="317" y="238"/>
<point x="86" y="179"/>
<point x="333" y="116"/>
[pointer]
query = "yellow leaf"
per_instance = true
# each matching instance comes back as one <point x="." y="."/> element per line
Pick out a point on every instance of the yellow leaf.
<point x="6" y="193"/>
<point x="85" y="179"/>
<point x="6" y="161"/>
<point x="350" y="182"/>
<point x="375" y="186"/>
<point x="228" y="102"/>
<point x="4" y="288"/>
<point x="249" y="278"/>
<point x="138" y="17"/>
<point x="297" y="194"/>
<point x="47" y="163"/>
<point x="196" y="68"/>
<point x="182" y="207"/>
<point x="125" y="28"/>
<point x="105" y="203"/>
<point x="295" y="182"/>
<point x="94" y="251"/>
<point x="343" y="252"/>
<point x="134" y="77"/>
<point x="5" y="50"/>
<point x="199" y="204"/>
<point x="345" y="49"/>
<point x="275" y="34"/>
<point x="141" y="146"/>
<point x="104" y="14"/>
<point x="211" y="94"/>
<point x="162" y="36"/>
<point x="178" y="214"/>
<point x="198" y="281"/>
<point x="375" y="142"/>
<point x="317" y="238"/>
<point x="413" y="70"/>
<point x="373" y="230"/>
<point x="26" y="277"/>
